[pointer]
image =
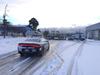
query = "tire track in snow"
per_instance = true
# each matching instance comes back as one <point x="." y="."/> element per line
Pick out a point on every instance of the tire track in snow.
<point x="23" y="66"/>
<point x="76" y="54"/>
<point x="9" y="58"/>
<point x="5" y="68"/>
<point x="57" y="53"/>
<point x="52" y="55"/>
<point x="4" y="56"/>
<point x="34" y="67"/>
<point x="43" y="60"/>
<point x="65" y="47"/>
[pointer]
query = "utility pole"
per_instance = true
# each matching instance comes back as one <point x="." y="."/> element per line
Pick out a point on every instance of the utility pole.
<point x="4" y="21"/>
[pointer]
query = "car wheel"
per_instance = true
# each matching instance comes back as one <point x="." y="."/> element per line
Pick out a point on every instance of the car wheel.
<point x="48" y="48"/>
<point x="21" y="54"/>
<point x="41" y="53"/>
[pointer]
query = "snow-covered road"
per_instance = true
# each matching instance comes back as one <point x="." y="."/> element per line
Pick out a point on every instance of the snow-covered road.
<point x="11" y="63"/>
<point x="64" y="58"/>
<point x="61" y="60"/>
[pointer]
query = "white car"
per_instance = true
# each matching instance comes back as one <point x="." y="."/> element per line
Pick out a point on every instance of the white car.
<point x="35" y="45"/>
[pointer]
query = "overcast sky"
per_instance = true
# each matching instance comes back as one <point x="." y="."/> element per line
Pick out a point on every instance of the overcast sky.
<point x="53" y="13"/>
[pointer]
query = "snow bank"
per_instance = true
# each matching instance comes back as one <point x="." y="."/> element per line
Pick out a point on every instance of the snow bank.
<point x="9" y="44"/>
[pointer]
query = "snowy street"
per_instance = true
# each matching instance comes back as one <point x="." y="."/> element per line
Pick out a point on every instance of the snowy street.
<point x="64" y="58"/>
<point x="49" y="37"/>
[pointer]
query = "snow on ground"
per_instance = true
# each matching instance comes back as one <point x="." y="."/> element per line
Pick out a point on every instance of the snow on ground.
<point x="60" y="61"/>
<point x="88" y="63"/>
<point x="52" y="66"/>
<point x="68" y="57"/>
<point x="64" y="63"/>
<point x="9" y="44"/>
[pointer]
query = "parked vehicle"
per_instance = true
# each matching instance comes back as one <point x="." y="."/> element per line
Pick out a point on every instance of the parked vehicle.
<point x="35" y="45"/>
<point x="70" y="38"/>
<point x="77" y="36"/>
<point x="56" y="35"/>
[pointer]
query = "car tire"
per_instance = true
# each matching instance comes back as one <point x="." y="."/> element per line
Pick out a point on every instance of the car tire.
<point x="21" y="54"/>
<point x="41" y="53"/>
<point x="48" y="48"/>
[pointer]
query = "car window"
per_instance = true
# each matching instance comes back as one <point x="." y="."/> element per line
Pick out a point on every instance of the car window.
<point x="33" y="40"/>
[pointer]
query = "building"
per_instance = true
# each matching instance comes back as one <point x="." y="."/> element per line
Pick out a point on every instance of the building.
<point x="13" y="30"/>
<point x="93" y="31"/>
